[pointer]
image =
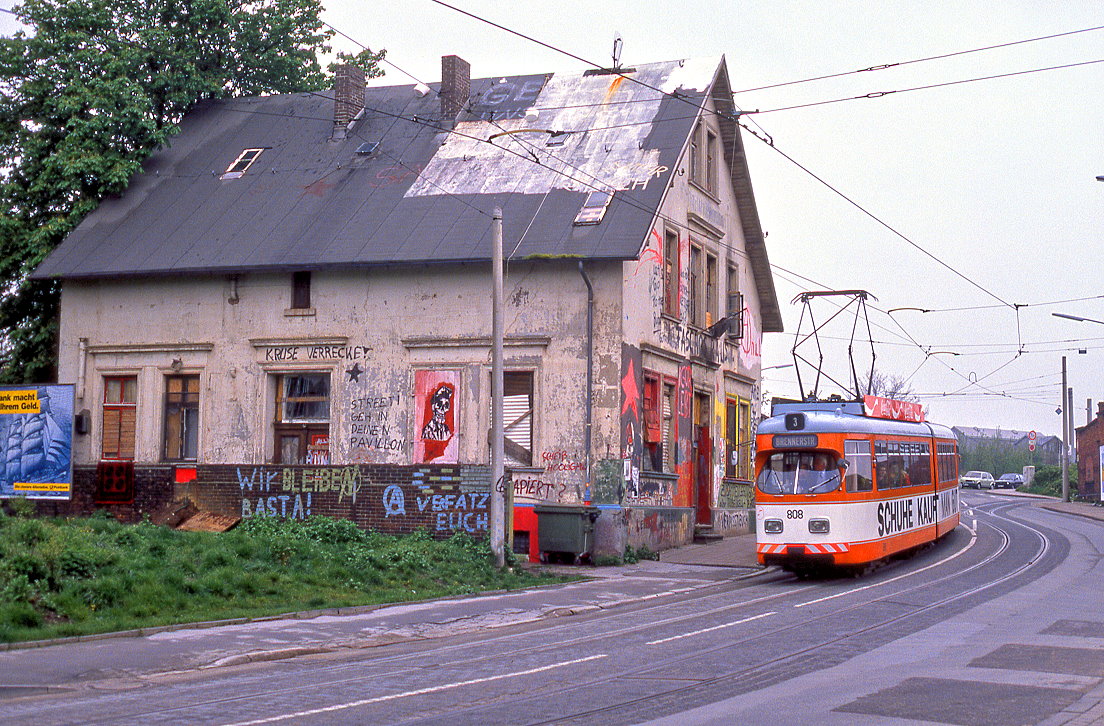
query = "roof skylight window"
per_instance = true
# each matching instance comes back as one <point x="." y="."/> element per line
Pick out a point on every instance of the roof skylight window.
<point x="594" y="208"/>
<point x="241" y="164"/>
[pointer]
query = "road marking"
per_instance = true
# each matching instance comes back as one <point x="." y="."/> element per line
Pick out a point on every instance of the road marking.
<point x="709" y="630"/>
<point x="418" y="692"/>
<point x="973" y="539"/>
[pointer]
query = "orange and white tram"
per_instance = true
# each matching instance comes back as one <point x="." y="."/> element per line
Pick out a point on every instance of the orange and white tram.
<point x="840" y="484"/>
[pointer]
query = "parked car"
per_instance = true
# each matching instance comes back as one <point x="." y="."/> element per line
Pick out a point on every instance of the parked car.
<point x="1010" y="481"/>
<point x="977" y="480"/>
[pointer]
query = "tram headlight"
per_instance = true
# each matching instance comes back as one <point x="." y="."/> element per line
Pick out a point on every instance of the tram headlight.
<point x="819" y="526"/>
<point x="772" y="526"/>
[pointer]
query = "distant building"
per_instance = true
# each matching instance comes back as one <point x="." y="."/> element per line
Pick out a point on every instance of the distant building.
<point x="1090" y="444"/>
<point x="1048" y="449"/>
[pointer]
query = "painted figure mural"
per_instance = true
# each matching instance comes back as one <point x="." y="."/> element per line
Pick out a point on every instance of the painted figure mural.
<point x="435" y="394"/>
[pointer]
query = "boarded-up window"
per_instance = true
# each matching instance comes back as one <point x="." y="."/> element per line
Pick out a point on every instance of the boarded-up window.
<point x="119" y="416"/>
<point x="517" y="407"/>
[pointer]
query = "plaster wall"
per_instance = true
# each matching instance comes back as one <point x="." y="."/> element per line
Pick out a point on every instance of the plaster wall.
<point x="370" y="330"/>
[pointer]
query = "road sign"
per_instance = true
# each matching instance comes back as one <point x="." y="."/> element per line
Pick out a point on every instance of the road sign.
<point x="1031" y="436"/>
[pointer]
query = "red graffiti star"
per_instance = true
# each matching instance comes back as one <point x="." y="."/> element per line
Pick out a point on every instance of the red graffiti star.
<point x="631" y="391"/>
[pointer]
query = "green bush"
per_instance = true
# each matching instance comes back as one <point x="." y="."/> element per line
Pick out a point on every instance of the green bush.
<point x="1048" y="481"/>
<point x="96" y="574"/>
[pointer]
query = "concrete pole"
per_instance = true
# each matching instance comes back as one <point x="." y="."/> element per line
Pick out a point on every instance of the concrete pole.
<point x="498" y="468"/>
<point x="1073" y="440"/>
<point x="1065" y="436"/>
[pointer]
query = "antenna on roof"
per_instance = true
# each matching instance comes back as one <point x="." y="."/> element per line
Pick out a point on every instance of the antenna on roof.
<point x="617" y="43"/>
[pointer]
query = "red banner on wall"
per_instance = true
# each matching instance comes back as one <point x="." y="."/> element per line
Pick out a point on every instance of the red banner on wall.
<point x="878" y="407"/>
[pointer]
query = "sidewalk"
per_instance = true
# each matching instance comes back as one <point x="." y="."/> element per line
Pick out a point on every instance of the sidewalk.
<point x="738" y="551"/>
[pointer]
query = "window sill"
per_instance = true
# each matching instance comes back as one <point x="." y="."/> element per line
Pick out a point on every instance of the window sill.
<point x="705" y="191"/>
<point x="299" y="313"/>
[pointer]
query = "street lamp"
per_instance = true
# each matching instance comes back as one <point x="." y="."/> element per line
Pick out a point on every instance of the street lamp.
<point x="1077" y="318"/>
<point x="1067" y="404"/>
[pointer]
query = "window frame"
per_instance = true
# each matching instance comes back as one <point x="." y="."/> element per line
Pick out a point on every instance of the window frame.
<point x="177" y="442"/>
<point x="241" y="164"/>
<point x="311" y="434"/>
<point x="697" y="303"/>
<point x="672" y="273"/>
<point x="512" y="448"/>
<point x="120" y="408"/>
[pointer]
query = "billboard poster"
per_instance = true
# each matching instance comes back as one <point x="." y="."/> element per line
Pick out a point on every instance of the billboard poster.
<point x="36" y="432"/>
<point x="1101" y="470"/>
<point x="436" y="395"/>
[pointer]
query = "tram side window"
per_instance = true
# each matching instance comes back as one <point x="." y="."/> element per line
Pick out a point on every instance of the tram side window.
<point x="947" y="462"/>
<point x="902" y="464"/>
<point x="859" y="474"/>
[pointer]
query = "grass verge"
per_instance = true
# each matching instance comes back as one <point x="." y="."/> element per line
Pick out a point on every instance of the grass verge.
<point x="78" y="577"/>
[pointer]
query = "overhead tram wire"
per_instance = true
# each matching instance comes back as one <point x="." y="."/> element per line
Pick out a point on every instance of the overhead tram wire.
<point x="942" y="56"/>
<point x="877" y="219"/>
<point x="351" y="39"/>
<point x="882" y="94"/>
<point x="791" y="159"/>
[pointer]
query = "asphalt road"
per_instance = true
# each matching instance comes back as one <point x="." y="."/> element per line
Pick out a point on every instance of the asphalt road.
<point x="1000" y="623"/>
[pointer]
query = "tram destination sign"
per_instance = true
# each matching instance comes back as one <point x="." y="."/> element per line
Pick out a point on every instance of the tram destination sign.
<point x="794" y="441"/>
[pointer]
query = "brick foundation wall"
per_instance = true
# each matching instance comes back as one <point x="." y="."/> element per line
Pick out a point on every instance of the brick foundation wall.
<point x="386" y="498"/>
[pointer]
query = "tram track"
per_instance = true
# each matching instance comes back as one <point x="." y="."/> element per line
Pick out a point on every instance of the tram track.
<point x="825" y="652"/>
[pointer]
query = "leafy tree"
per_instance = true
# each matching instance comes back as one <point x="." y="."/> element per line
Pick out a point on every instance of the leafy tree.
<point x="89" y="91"/>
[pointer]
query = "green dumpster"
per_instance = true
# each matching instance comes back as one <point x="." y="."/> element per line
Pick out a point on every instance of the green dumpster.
<point x="565" y="529"/>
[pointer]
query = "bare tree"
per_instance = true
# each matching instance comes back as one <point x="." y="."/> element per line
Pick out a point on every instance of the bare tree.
<point x="888" y="385"/>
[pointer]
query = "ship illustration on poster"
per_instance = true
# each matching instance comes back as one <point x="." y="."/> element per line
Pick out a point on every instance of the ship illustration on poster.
<point x="36" y="433"/>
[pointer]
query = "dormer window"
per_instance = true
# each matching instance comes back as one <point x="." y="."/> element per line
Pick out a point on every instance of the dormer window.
<point x="241" y="164"/>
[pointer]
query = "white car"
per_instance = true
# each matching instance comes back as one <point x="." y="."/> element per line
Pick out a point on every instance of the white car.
<point x="977" y="480"/>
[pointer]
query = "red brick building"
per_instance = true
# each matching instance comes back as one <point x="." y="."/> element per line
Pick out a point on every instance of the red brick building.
<point x="1090" y="439"/>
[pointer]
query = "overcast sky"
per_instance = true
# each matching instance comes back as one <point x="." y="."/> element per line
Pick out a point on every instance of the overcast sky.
<point x="995" y="178"/>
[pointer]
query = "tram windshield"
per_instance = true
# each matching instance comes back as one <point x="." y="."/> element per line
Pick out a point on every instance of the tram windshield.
<point x="799" y="472"/>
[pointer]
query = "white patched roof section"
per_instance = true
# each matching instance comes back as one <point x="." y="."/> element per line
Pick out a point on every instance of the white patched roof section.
<point x="607" y="119"/>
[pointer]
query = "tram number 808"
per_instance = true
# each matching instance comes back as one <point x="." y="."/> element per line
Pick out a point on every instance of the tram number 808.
<point x="795" y="514"/>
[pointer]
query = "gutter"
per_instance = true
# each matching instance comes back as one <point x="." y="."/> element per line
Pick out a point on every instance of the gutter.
<point x="589" y="378"/>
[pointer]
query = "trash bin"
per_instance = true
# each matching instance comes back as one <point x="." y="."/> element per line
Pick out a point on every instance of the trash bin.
<point x="565" y="529"/>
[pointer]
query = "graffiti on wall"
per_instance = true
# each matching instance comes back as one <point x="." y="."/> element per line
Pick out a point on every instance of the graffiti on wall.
<point x="657" y="529"/>
<point x="436" y="396"/>
<point x="652" y="493"/>
<point x="289" y="491"/>
<point x="735" y="521"/>
<point x="450" y="506"/>
<point x="735" y="495"/>
<point x="375" y="431"/>
<point x="631" y="440"/>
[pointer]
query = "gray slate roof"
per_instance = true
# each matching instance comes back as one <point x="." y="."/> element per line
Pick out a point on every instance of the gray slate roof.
<point x="425" y="194"/>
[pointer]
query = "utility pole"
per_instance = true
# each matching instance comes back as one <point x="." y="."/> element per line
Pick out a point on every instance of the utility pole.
<point x="498" y="469"/>
<point x="1073" y="440"/>
<point x="1065" y="436"/>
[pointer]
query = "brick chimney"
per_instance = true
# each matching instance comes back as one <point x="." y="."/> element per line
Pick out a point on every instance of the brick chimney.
<point x="455" y="86"/>
<point x="1100" y="409"/>
<point x="348" y="97"/>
